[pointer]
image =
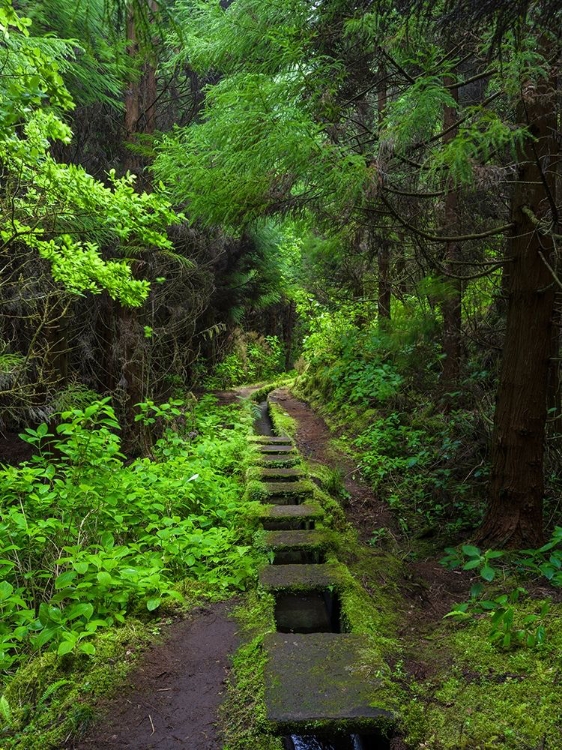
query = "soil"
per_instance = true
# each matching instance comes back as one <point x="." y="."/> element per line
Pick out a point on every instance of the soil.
<point x="429" y="589"/>
<point x="364" y="510"/>
<point x="174" y="694"/>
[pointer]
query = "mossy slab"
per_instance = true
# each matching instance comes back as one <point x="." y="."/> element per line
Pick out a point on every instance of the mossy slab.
<point x="288" y="488"/>
<point x="320" y="679"/>
<point x="304" y="512"/>
<point x="281" y="474"/>
<point x="301" y="577"/>
<point x="275" y="460"/>
<point x="301" y="539"/>
<point x="270" y="440"/>
<point x="276" y="449"/>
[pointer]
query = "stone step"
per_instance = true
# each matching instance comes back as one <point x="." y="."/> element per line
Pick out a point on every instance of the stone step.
<point x="281" y="474"/>
<point x="297" y="546"/>
<point x="270" y="440"/>
<point x="302" y="512"/>
<point x="290" y="516"/>
<point x="301" y="577"/>
<point x="273" y="459"/>
<point x="292" y="489"/>
<point x="284" y="500"/>
<point x="296" y="539"/>
<point x="321" y="678"/>
<point x="276" y="449"/>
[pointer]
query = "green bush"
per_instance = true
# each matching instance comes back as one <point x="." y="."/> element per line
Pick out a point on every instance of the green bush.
<point x="86" y="538"/>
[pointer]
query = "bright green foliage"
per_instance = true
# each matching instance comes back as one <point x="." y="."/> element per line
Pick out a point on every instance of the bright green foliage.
<point x="55" y="209"/>
<point x="369" y="382"/>
<point x="87" y="538"/>
<point x="253" y="359"/>
<point x="262" y="144"/>
<point x="509" y="628"/>
<point x="98" y="66"/>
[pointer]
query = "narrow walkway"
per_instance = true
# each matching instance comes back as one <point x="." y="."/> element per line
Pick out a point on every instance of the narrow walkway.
<point x="173" y="695"/>
<point x="318" y="690"/>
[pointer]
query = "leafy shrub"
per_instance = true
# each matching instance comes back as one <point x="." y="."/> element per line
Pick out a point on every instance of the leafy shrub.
<point x="253" y="358"/>
<point x="85" y="539"/>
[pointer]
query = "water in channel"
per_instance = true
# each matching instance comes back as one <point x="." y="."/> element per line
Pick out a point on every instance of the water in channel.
<point x="349" y="742"/>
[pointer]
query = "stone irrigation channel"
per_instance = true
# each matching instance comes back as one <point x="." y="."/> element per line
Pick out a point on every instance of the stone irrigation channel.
<point x="319" y="677"/>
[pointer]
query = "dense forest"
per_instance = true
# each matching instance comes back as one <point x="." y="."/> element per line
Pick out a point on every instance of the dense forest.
<point x="357" y="201"/>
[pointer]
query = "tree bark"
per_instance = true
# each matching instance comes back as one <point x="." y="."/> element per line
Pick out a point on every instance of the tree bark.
<point x="384" y="280"/>
<point x="451" y="306"/>
<point x="385" y="287"/>
<point x="514" y="518"/>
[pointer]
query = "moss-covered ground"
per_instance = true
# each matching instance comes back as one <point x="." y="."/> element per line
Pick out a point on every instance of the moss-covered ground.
<point x="451" y="686"/>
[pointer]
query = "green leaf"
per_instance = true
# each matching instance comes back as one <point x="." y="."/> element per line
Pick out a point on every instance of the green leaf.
<point x="104" y="578"/>
<point x="87" y="648"/>
<point x="65" y="579"/>
<point x="66" y="647"/>
<point x="84" y="609"/>
<point x="488" y="573"/>
<point x="470" y="550"/>
<point x="153" y="603"/>
<point x="6" y="590"/>
<point x="80" y="567"/>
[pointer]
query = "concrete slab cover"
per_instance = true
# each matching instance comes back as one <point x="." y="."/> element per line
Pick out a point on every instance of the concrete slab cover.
<point x="270" y="440"/>
<point x="281" y="474"/>
<point x="302" y="577"/>
<point x="319" y="677"/>
<point x="295" y="539"/>
<point x="287" y="488"/>
<point x="304" y="511"/>
<point x="275" y="449"/>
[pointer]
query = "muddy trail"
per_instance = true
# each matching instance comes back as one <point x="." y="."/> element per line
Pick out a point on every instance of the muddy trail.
<point x="428" y="588"/>
<point x="173" y="696"/>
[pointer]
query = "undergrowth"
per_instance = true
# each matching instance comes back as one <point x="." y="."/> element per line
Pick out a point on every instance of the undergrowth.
<point x="88" y="540"/>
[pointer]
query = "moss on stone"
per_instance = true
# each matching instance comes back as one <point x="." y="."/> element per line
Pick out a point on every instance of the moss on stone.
<point x="283" y="424"/>
<point x="242" y="714"/>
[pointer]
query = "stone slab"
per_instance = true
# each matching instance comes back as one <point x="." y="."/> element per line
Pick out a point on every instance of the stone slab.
<point x="281" y="474"/>
<point x="282" y="499"/>
<point x="277" y="449"/>
<point x="300" y="539"/>
<point x="300" y="577"/>
<point x="304" y="512"/>
<point x="320" y="677"/>
<point x="288" y="488"/>
<point x="274" y="459"/>
<point x="270" y="440"/>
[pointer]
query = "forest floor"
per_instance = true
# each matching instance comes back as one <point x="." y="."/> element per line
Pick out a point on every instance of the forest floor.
<point x="429" y="590"/>
<point x="173" y="695"/>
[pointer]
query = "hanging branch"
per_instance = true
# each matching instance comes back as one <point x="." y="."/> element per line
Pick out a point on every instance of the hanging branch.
<point x="436" y="238"/>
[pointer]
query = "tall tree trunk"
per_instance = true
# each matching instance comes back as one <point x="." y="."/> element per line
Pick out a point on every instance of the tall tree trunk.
<point x="384" y="280"/>
<point x="384" y="283"/>
<point x="514" y="517"/>
<point x="132" y="97"/>
<point x="452" y="304"/>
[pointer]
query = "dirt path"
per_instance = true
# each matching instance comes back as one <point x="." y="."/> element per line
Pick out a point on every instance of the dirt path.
<point x="364" y="509"/>
<point x="429" y="589"/>
<point x="174" y="693"/>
